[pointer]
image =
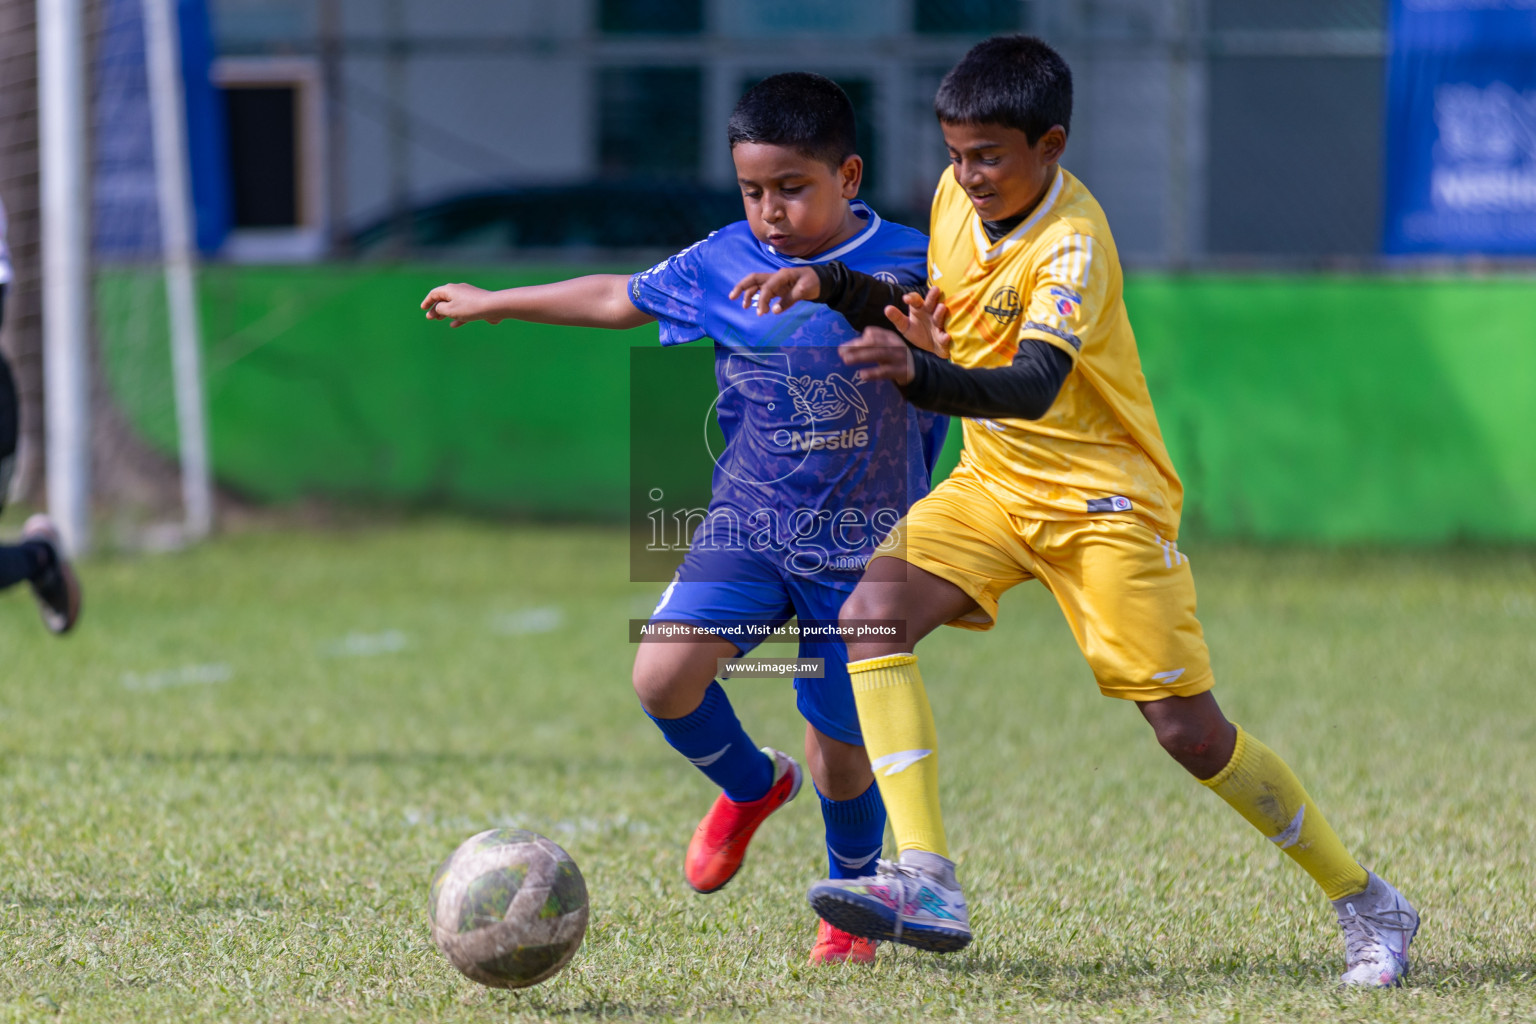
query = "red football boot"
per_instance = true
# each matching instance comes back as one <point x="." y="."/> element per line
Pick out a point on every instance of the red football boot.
<point x="835" y="946"/>
<point x="720" y="842"/>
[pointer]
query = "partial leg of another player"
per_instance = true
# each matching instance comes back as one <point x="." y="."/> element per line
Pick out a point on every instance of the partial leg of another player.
<point x="39" y="560"/>
<point x="1378" y="923"/>
<point x="676" y="686"/>
<point x="854" y="817"/>
<point x="1129" y="598"/>
<point x="916" y="899"/>
<point x="851" y="807"/>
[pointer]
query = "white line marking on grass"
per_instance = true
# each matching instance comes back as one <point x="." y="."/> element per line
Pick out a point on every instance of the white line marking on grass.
<point x="187" y="675"/>
<point x="545" y="619"/>
<point x="621" y="824"/>
<point x="458" y="823"/>
<point x="368" y="645"/>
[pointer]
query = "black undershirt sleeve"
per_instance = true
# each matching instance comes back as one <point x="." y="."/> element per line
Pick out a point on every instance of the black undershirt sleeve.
<point x="1022" y="390"/>
<point x="860" y="298"/>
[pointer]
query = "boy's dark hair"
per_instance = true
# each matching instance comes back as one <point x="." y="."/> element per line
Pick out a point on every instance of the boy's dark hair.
<point x="798" y="110"/>
<point x="1015" y="81"/>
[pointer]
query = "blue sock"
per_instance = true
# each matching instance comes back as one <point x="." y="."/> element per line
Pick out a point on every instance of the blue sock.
<point x="712" y="738"/>
<point x="855" y="832"/>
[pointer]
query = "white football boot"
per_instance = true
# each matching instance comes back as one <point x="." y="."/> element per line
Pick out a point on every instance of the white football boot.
<point x="915" y="901"/>
<point x="1378" y="926"/>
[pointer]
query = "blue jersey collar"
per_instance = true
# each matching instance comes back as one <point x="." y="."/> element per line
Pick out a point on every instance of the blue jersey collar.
<point x="860" y="209"/>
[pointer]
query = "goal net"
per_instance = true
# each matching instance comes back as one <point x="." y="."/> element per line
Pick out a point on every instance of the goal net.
<point x="148" y="438"/>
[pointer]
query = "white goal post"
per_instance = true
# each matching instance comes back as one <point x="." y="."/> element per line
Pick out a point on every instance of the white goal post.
<point x="68" y="280"/>
<point x="66" y="254"/>
<point x="173" y="179"/>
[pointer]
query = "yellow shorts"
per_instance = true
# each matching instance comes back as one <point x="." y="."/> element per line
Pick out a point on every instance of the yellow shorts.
<point x="1128" y="595"/>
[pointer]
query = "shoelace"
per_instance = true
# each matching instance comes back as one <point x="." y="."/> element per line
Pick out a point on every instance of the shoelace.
<point x="1363" y="930"/>
<point x="897" y="876"/>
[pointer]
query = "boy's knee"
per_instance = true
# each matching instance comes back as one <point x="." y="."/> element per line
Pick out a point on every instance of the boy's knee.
<point x="840" y="770"/>
<point x="1202" y="746"/>
<point x="879" y="603"/>
<point x="672" y="679"/>
<point x="645" y="685"/>
<point x="655" y="684"/>
<point x="866" y="603"/>
<point x="1183" y="739"/>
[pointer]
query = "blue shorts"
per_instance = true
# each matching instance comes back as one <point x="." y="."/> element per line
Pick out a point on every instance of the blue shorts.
<point x="743" y="587"/>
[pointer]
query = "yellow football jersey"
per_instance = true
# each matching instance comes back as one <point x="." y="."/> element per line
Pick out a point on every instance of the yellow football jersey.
<point x="1055" y="277"/>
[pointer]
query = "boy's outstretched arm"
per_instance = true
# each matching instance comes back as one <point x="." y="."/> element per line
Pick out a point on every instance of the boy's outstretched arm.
<point x="598" y="300"/>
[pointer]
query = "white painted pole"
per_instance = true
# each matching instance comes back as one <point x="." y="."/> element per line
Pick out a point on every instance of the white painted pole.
<point x="173" y="179"/>
<point x="66" y="281"/>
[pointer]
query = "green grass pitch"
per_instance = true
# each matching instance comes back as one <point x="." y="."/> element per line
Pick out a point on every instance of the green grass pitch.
<point x="224" y="798"/>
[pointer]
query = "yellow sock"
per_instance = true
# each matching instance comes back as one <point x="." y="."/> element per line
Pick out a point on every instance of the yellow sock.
<point x="1262" y="788"/>
<point x="903" y="747"/>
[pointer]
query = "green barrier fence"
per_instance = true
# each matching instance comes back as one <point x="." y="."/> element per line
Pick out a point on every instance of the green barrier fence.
<point x="1335" y="409"/>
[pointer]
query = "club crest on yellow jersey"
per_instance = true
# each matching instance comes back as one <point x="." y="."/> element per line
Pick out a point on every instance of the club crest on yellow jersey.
<point x="1004" y="304"/>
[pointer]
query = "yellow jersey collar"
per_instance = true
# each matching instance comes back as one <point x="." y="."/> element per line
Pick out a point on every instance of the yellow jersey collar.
<point x="991" y="250"/>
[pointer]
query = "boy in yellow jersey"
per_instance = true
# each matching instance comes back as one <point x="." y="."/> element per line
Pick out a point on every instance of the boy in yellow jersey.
<point x="1064" y="479"/>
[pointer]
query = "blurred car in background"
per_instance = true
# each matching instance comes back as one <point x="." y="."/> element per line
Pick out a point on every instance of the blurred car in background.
<point x="506" y="223"/>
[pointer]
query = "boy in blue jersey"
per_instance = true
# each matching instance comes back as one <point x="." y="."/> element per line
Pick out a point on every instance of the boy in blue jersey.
<point x="815" y="470"/>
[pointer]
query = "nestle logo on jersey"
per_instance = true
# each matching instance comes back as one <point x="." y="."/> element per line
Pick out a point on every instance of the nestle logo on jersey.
<point x="830" y="398"/>
<point x="825" y="401"/>
<point x="815" y="441"/>
<point x="1004" y="304"/>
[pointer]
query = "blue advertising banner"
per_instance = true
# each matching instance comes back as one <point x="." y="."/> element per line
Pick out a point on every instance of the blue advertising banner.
<point x="1461" y="128"/>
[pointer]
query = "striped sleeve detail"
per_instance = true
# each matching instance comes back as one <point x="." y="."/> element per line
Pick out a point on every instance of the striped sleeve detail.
<point x="1068" y="290"/>
<point x="1071" y="265"/>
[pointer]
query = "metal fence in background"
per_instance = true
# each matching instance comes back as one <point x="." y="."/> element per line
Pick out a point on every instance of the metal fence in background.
<point x="1230" y="131"/>
<point x="1215" y="132"/>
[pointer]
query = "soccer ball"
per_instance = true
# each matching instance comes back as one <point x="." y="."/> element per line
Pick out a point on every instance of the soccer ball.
<point x="508" y="908"/>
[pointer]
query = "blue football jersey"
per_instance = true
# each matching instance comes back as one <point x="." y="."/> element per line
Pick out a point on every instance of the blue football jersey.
<point x="817" y="466"/>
